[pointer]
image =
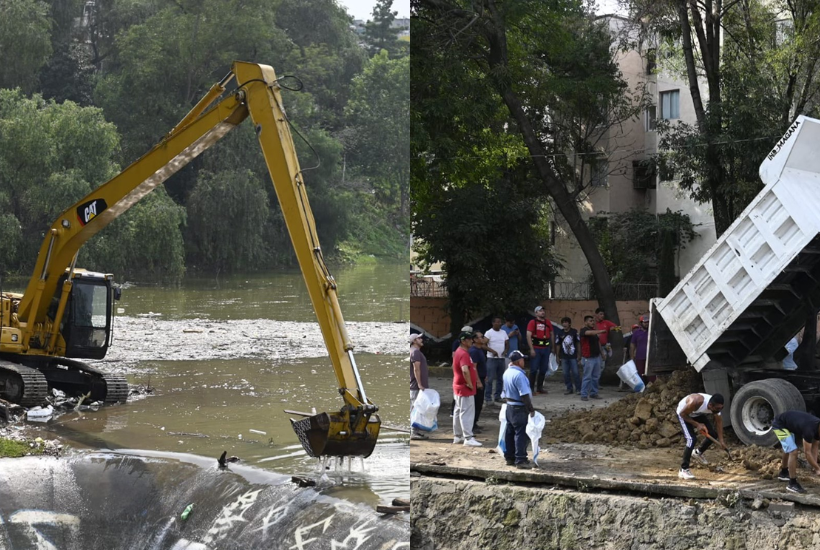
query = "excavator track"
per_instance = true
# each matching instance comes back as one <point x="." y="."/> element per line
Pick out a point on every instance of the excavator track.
<point x="117" y="388"/>
<point x="25" y="386"/>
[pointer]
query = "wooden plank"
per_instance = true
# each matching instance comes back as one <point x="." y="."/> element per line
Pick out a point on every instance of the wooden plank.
<point x="401" y="502"/>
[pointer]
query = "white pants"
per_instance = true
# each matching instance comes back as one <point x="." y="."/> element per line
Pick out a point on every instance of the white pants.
<point x="463" y="416"/>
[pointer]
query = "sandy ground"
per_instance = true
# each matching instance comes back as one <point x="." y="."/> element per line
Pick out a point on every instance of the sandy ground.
<point x="653" y="465"/>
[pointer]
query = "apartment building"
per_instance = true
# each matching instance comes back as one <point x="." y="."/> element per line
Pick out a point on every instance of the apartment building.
<point x="627" y="183"/>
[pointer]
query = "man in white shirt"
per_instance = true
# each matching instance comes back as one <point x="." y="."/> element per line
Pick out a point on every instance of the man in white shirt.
<point x="497" y="344"/>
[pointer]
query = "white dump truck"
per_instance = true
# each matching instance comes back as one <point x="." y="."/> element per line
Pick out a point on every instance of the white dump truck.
<point x="731" y="316"/>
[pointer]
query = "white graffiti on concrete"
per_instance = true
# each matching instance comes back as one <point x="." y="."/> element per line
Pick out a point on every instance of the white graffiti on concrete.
<point x="301" y="542"/>
<point x="29" y="518"/>
<point x="231" y="514"/>
<point x="274" y="516"/>
<point x="358" y="535"/>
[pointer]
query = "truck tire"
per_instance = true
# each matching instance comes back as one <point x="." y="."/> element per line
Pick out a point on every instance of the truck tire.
<point x="756" y="404"/>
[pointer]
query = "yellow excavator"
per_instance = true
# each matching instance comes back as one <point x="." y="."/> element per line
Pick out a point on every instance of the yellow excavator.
<point x="66" y="313"/>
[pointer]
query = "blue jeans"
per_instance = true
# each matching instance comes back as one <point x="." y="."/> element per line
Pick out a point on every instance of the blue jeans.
<point x="592" y="373"/>
<point x="495" y="373"/>
<point x="540" y="363"/>
<point x="515" y="438"/>
<point x="571" y="374"/>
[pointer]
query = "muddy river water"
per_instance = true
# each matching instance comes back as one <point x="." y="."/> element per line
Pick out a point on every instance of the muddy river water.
<point x="225" y="358"/>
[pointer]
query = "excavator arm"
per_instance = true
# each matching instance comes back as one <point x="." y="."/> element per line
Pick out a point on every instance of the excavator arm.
<point x="353" y="431"/>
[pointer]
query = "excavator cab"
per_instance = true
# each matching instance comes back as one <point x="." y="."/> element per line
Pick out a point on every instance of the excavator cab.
<point x="87" y="321"/>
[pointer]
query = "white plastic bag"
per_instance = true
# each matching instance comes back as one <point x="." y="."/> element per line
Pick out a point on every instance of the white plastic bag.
<point x="629" y="374"/>
<point x="425" y="410"/>
<point x="535" y="426"/>
<point x="553" y="368"/>
<point x="502" y="418"/>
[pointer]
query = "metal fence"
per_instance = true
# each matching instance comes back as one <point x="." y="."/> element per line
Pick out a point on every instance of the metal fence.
<point x="586" y="291"/>
<point x="424" y="287"/>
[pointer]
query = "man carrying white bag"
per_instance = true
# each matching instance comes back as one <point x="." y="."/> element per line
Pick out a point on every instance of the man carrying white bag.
<point x="425" y="401"/>
<point x="519" y="410"/>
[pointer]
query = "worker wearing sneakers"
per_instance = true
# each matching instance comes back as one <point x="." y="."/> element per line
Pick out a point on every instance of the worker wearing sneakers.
<point x="692" y="411"/>
<point x="465" y="386"/>
<point x="519" y="406"/>
<point x="790" y="428"/>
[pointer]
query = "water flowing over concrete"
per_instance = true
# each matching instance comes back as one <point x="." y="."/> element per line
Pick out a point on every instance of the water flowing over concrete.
<point x="129" y="501"/>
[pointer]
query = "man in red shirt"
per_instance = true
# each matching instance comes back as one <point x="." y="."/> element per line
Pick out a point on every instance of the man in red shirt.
<point x="539" y="338"/>
<point x="601" y="323"/>
<point x="465" y="386"/>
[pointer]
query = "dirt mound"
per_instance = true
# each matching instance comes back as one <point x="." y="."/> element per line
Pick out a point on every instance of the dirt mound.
<point x="648" y="419"/>
<point x="641" y="419"/>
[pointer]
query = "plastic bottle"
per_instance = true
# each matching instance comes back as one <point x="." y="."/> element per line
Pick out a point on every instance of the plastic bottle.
<point x="187" y="511"/>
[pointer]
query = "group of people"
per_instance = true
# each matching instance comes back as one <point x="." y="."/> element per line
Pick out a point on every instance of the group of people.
<point x="490" y="368"/>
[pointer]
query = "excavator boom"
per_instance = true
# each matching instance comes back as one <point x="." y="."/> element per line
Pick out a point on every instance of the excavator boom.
<point x="351" y="431"/>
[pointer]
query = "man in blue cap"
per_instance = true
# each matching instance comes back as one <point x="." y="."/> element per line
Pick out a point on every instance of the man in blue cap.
<point x="519" y="406"/>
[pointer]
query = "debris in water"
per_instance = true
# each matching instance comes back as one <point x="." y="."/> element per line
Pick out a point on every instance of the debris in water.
<point x="303" y="481"/>
<point x="40" y="414"/>
<point x="187" y="511"/>
<point x="80" y="402"/>
<point x="258" y="432"/>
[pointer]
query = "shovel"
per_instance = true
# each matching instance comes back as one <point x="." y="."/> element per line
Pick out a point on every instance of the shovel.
<point x="718" y="443"/>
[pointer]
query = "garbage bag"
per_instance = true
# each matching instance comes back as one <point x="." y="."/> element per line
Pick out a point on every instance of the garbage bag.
<point x="425" y="410"/>
<point x="553" y="367"/>
<point x="629" y="374"/>
<point x="502" y="418"/>
<point x="535" y="426"/>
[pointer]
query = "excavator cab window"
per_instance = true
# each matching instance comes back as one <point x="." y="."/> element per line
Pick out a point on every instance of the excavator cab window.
<point x="87" y="321"/>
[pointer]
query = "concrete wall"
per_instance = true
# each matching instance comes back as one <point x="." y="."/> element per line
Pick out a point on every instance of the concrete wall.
<point x="430" y="315"/>
<point x="466" y="515"/>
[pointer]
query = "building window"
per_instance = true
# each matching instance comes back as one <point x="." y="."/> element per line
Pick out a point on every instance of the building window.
<point x="598" y="177"/>
<point x="670" y="104"/>
<point x="649" y="118"/>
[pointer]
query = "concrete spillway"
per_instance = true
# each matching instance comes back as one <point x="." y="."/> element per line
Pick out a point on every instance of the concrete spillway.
<point x="128" y="501"/>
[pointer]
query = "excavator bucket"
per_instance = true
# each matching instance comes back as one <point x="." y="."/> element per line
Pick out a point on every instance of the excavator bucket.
<point x="326" y="434"/>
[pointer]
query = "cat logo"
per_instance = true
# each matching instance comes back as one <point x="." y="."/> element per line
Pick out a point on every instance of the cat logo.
<point x="89" y="210"/>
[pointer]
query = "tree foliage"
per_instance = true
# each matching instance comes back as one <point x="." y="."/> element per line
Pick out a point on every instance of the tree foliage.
<point x="143" y="64"/>
<point x="540" y="74"/>
<point x="495" y="249"/>
<point x="632" y="243"/>
<point x="759" y="62"/>
<point x="25" y="43"/>
<point x="53" y="154"/>
<point x="379" y="110"/>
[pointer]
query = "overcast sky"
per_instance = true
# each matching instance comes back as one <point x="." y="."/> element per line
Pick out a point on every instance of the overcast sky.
<point x="363" y="9"/>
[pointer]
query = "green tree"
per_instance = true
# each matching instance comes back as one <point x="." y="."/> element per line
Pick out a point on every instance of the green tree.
<point x="758" y="61"/>
<point x="379" y="32"/>
<point x="52" y="155"/>
<point x="495" y="250"/>
<point x="144" y="243"/>
<point x="379" y="110"/>
<point x="25" y="42"/>
<point x="226" y="215"/>
<point x="632" y="244"/>
<point x="474" y="58"/>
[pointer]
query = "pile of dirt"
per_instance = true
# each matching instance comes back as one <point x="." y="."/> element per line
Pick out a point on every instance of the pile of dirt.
<point x="642" y="420"/>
